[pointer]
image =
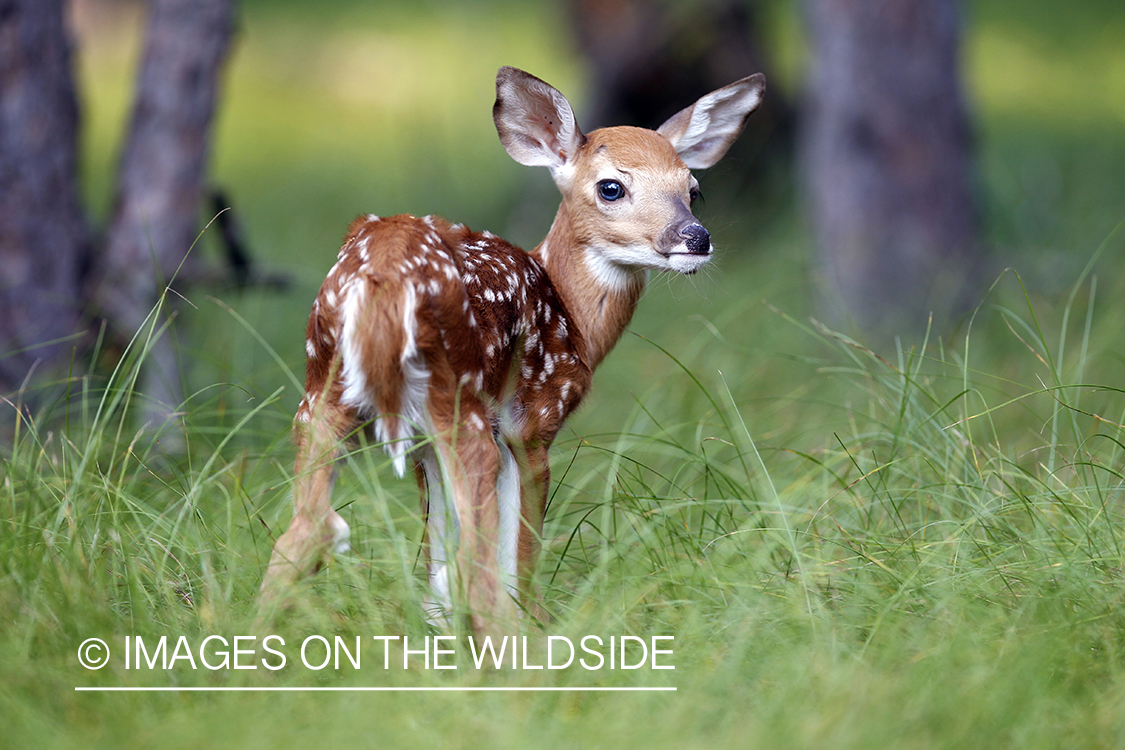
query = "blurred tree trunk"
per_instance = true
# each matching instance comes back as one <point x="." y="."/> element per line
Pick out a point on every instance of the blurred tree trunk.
<point x="156" y="214"/>
<point x="650" y="58"/>
<point x="886" y="150"/>
<point x="44" y="239"/>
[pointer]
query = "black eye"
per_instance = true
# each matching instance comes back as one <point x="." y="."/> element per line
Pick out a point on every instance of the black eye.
<point x="610" y="190"/>
<point x="694" y="194"/>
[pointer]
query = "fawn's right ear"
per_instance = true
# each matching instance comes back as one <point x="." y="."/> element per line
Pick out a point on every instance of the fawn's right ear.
<point x="535" y="121"/>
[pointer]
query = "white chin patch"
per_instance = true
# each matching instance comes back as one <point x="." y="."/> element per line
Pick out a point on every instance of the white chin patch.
<point x="684" y="262"/>
<point x="616" y="266"/>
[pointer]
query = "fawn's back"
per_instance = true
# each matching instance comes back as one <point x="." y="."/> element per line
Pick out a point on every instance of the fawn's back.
<point x="418" y="309"/>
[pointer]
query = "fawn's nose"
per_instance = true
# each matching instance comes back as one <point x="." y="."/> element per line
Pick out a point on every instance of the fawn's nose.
<point x="697" y="239"/>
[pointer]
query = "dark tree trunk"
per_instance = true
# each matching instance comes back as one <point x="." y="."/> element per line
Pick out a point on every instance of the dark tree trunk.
<point x="43" y="232"/>
<point x="886" y="148"/>
<point x="650" y="58"/>
<point x="156" y="215"/>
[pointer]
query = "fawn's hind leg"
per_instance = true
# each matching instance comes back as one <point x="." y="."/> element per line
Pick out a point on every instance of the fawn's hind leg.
<point x="316" y="529"/>
<point x="470" y="465"/>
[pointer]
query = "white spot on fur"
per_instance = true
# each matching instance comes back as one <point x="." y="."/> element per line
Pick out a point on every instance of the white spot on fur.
<point x="620" y="268"/>
<point x="437" y="609"/>
<point x="443" y="529"/>
<point x="341" y="532"/>
<point x="416" y="383"/>
<point x="356" y="392"/>
<point x="508" y="497"/>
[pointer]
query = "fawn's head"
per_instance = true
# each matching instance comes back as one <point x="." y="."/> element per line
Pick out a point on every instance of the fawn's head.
<point x="627" y="191"/>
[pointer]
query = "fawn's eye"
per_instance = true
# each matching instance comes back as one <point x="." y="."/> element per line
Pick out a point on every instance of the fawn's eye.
<point x="694" y="194"/>
<point x="610" y="190"/>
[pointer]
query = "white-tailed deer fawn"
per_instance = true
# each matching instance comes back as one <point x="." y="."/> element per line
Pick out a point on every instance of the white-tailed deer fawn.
<point x="465" y="354"/>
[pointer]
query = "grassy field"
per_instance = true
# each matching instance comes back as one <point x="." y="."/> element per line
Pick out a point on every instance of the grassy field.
<point x="920" y="547"/>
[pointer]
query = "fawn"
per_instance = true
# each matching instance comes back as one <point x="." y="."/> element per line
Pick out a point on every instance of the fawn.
<point x="465" y="354"/>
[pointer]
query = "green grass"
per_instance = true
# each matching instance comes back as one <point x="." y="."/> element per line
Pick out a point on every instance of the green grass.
<point x="921" y="548"/>
<point x="918" y="552"/>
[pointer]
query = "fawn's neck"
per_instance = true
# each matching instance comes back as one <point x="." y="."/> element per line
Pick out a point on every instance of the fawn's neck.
<point x="600" y="299"/>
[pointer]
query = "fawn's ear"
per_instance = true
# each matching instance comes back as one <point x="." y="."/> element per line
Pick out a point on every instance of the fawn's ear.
<point x="703" y="132"/>
<point x="535" y="121"/>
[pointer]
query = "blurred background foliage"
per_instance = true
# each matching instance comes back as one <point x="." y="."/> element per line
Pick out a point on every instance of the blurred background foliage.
<point x="338" y="108"/>
<point x="341" y="107"/>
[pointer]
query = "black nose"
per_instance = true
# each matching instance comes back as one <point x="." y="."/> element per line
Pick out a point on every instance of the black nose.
<point x="697" y="239"/>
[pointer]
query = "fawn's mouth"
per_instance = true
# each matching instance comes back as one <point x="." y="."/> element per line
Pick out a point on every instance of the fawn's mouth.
<point x="686" y="263"/>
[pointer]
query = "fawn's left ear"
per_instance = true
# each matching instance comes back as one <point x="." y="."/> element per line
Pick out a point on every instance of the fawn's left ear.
<point x="703" y="132"/>
<point x="535" y="121"/>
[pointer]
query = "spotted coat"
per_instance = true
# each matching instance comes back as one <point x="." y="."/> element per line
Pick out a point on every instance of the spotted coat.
<point x="463" y="303"/>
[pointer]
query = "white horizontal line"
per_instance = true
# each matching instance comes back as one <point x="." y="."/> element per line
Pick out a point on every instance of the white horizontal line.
<point x="369" y="689"/>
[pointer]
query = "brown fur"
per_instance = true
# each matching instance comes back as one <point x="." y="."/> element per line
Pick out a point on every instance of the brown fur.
<point x="424" y="329"/>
